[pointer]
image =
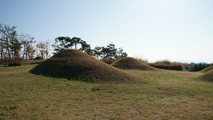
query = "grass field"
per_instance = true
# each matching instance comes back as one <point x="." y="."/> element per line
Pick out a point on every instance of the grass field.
<point x="168" y="95"/>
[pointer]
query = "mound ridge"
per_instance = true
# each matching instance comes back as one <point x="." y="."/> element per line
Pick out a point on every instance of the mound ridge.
<point x="131" y="63"/>
<point x="207" y="69"/>
<point x="208" y="76"/>
<point x="74" y="64"/>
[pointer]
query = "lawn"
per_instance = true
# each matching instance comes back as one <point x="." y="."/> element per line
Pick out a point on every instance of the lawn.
<point x="168" y="95"/>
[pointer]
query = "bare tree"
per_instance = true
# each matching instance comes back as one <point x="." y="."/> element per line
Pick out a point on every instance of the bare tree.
<point x="26" y="40"/>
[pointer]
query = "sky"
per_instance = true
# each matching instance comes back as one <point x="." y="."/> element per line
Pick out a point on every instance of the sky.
<point x="176" y="30"/>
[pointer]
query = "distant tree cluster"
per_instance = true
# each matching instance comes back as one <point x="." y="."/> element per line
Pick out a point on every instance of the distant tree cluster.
<point x="19" y="47"/>
<point x="109" y="52"/>
<point x="11" y="44"/>
<point x="200" y="66"/>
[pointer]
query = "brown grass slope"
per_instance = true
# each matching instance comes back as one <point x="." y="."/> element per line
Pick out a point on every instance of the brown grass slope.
<point x="74" y="64"/>
<point x="131" y="63"/>
<point x="208" y="76"/>
<point x="207" y="69"/>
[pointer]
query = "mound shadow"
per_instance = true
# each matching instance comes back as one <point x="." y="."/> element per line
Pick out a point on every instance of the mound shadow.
<point x="76" y="65"/>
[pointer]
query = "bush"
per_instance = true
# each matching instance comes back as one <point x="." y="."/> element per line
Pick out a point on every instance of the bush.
<point x="1" y="61"/>
<point x="108" y="61"/>
<point x="39" y="58"/>
<point x="163" y="62"/>
<point x="15" y="63"/>
<point x="171" y="66"/>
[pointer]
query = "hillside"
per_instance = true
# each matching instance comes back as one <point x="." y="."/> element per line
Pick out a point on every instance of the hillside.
<point x="74" y="64"/>
<point x="208" y="76"/>
<point x="207" y="69"/>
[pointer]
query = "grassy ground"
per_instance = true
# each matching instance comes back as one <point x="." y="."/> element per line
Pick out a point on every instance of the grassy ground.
<point x="168" y="95"/>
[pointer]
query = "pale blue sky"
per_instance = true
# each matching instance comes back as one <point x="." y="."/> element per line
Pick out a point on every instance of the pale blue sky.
<point x="178" y="30"/>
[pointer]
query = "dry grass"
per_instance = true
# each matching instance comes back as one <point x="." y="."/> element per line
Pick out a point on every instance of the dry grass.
<point x="76" y="65"/>
<point x="172" y="66"/>
<point x="208" y="76"/>
<point x="168" y="95"/>
<point x="207" y="69"/>
<point x="131" y="63"/>
<point x="108" y="61"/>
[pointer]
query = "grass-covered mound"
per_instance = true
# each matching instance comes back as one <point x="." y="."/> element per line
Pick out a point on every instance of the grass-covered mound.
<point x="74" y="64"/>
<point x="207" y="69"/>
<point x="131" y="63"/>
<point x="208" y="76"/>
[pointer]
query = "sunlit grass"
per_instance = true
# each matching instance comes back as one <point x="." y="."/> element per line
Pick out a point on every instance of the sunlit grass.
<point x="168" y="95"/>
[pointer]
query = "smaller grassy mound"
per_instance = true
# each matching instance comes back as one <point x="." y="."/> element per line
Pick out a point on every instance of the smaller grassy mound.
<point x="131" y="63"/>
<point x="108" y="61"/>
<point x="207" y="69"/>
<point x="76" y="65"/>
<point x="208" y="76"/>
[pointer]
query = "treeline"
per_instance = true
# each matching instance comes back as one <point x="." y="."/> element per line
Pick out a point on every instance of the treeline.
<point x="198" y="67"/>
<point x="11" y="44"/>
<point x="108" y="52"/>
<point x="16" y="47"/>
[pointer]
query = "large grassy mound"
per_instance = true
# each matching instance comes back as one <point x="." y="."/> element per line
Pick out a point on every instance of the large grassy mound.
<point x="208" y="76"/>
<point x="74" y="64"/>
<point x="207" y="69"/>
<point x="131" y="63"/>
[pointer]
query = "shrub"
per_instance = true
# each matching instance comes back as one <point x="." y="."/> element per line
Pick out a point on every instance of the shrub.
<point x="171" y="66"/>
<point x="15" y="63"/>
<point x="163" y="62"/>
<point x="1" y="61"/>
<point x="39" y="58"/>
<point x="108" y="61"/>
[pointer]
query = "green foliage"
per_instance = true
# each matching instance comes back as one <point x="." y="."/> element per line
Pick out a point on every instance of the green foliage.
<point x="109" y="52"/>
<point x="62" y="43"/>
<point x="200" y="66"/>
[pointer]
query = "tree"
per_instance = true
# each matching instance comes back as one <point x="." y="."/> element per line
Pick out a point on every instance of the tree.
<point x="8" y="34"/>
<point x="112" y="50"/>
<point x="84" y="46"/>
<point x="62" y="43"/>
<point x="26" y="40"/>
<point x="31" y="51"/>
<point x="97" y="51"/>
<point x="1" y="48"/>
<point x="76" y="41"/>
<point x="15" y="48"/>
<point x="120" y="53"/>
<point x="43" y="49"/>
